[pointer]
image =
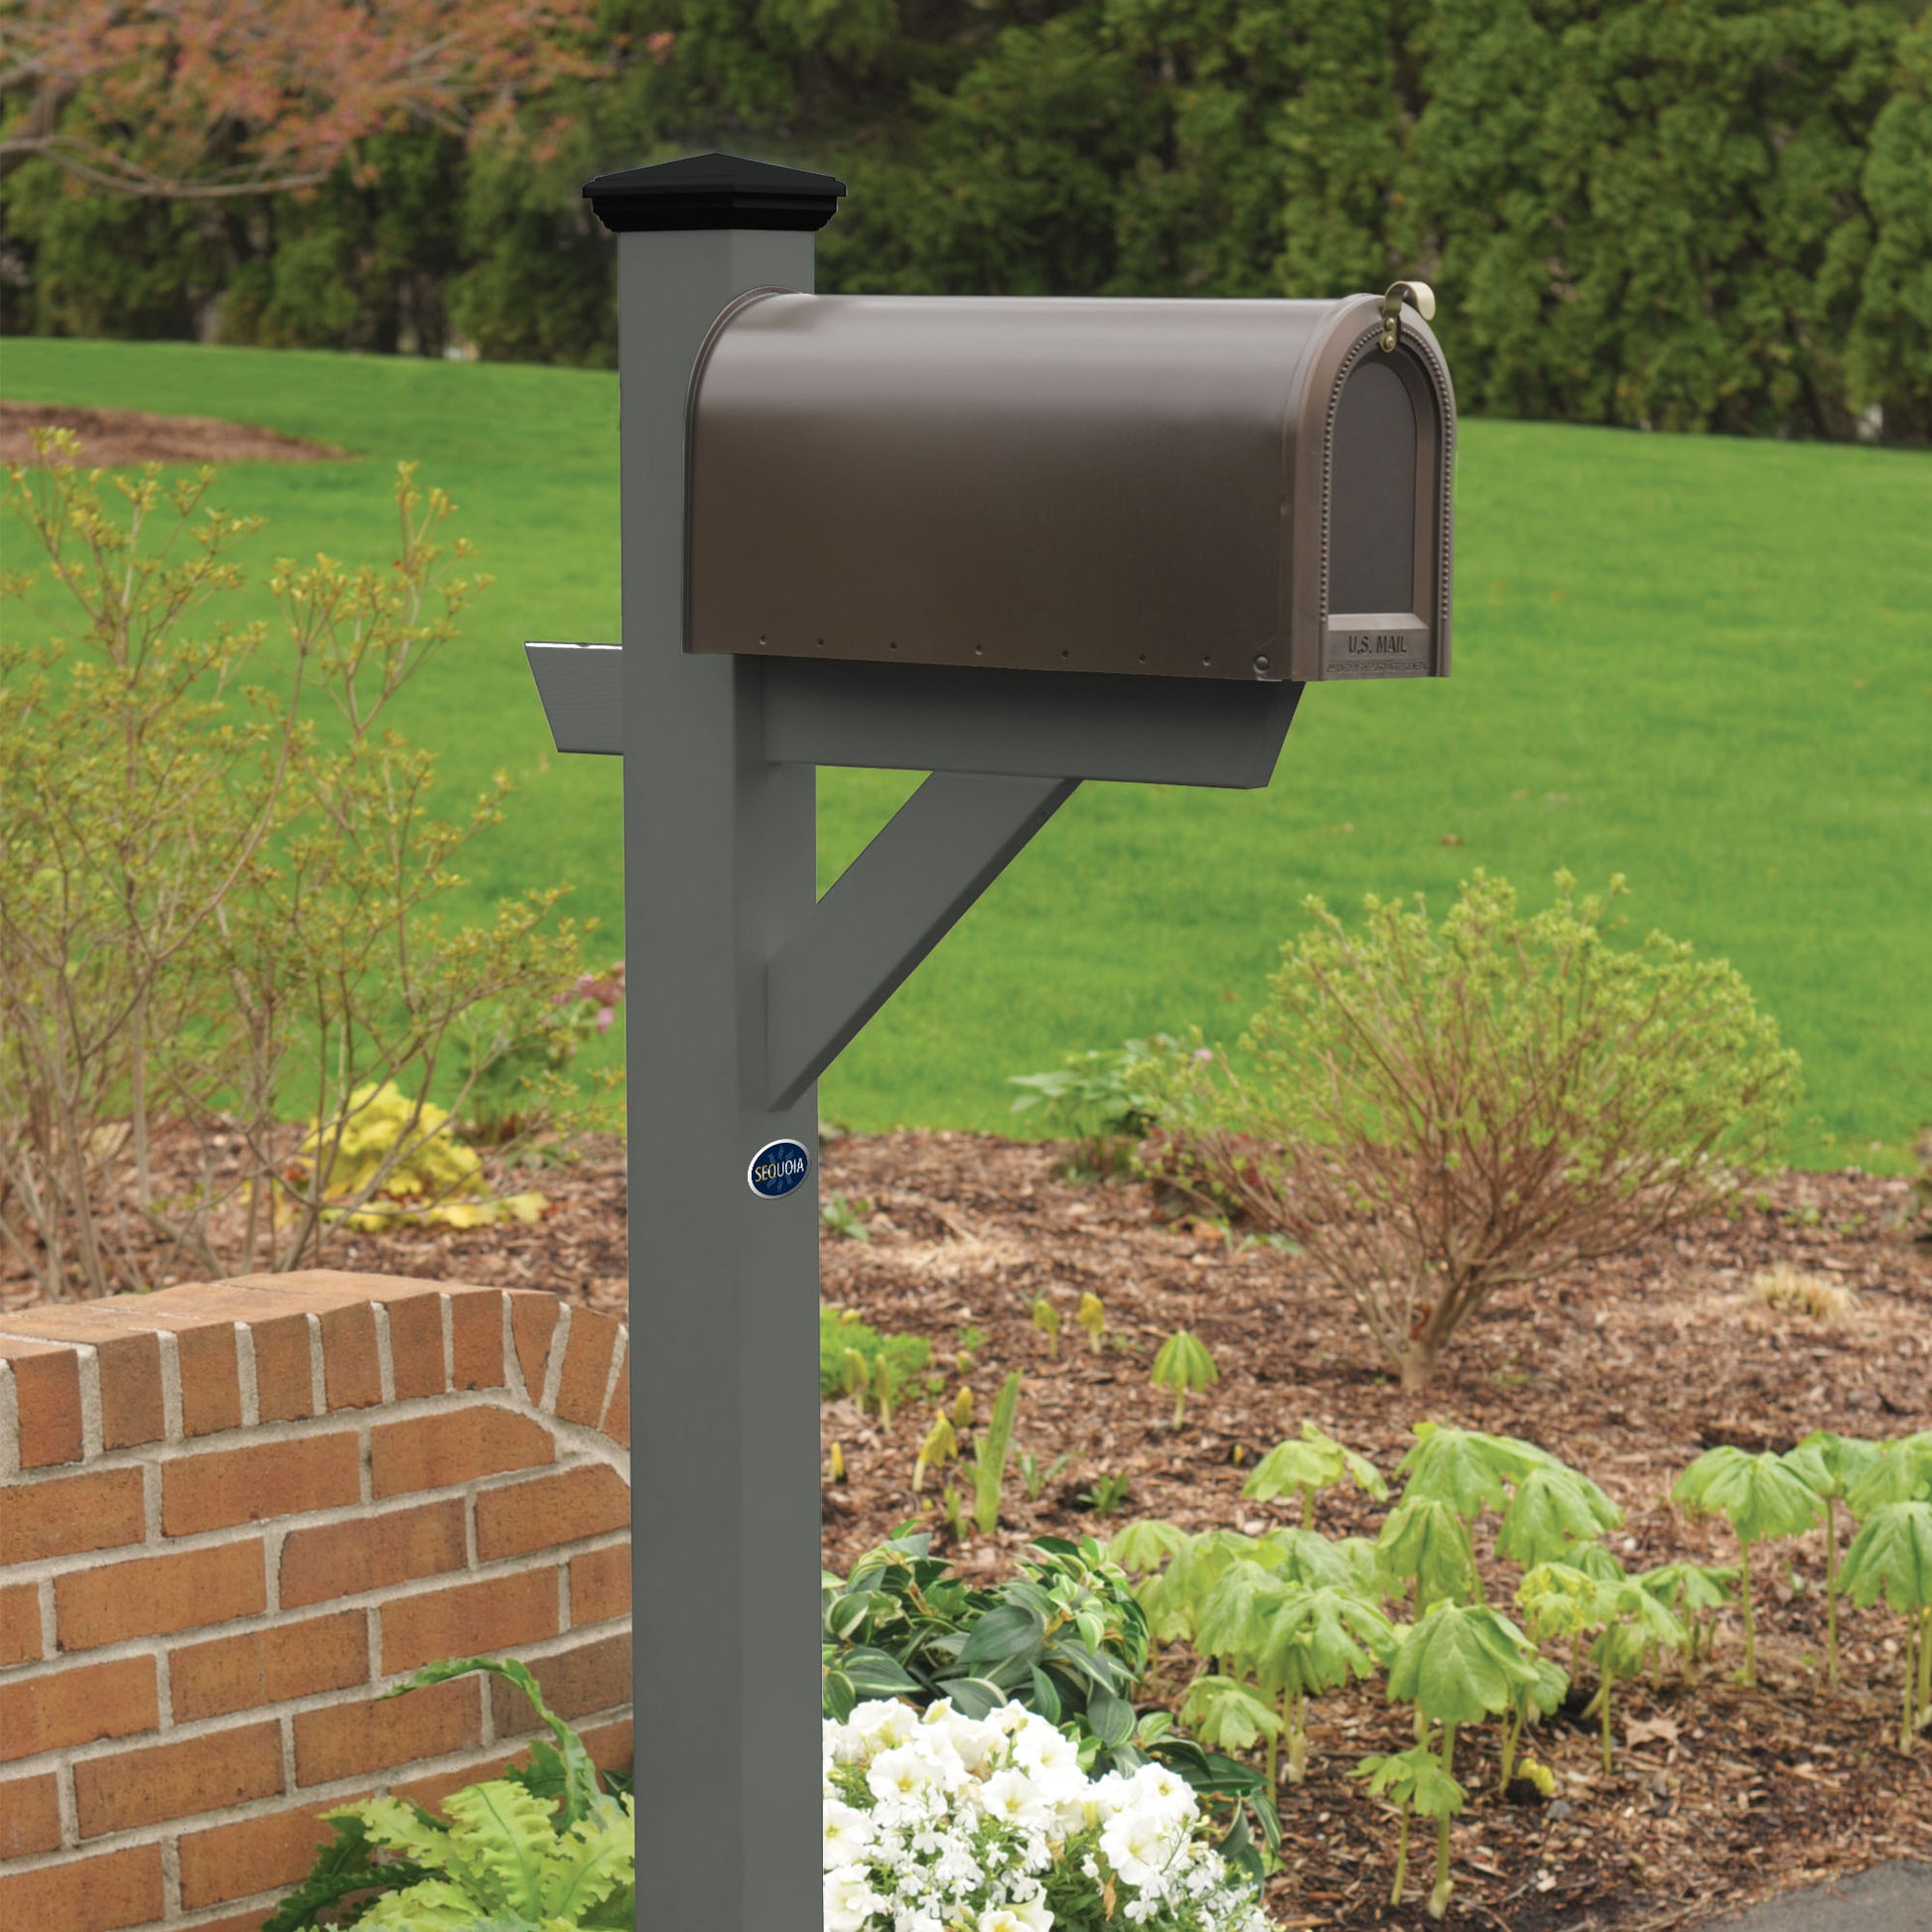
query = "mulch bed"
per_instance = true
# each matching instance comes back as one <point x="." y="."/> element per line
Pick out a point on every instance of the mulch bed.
<point x="118" y="438"/>
<point x="1719" y="1795"/>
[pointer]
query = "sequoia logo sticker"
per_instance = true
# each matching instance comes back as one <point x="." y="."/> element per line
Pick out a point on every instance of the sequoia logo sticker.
<point x="777" y="1169"/>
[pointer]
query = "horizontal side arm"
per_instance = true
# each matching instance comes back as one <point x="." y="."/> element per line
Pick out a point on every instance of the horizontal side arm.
<point x="893" y="903"/>
<point x="1025" y="723"/>
<point x="944" y="718"/>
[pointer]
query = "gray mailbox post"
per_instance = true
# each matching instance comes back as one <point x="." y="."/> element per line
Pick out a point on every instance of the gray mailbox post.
<point x="1011" y="544"/>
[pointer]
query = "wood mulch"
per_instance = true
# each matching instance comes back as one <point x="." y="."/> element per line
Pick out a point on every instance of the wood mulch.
<point x="118" y="438"/>
<point x="1719" y="1795"/>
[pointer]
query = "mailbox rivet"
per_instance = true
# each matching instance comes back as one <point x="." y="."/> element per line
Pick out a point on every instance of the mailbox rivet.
<point x="1261" y="663"/>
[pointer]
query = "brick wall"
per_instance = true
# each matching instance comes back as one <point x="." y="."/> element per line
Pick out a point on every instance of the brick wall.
<point x="232" y="1515"/>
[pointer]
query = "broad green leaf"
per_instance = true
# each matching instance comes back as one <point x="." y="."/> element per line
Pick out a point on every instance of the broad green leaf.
<point x="499" y="1838"/>
<point x="1425" y="1539"/>
<point x="1829" y="1464"/>
<point x="1558" y="1600"/>
<point x="1307" y="1557"/>
<point x="1182" y="1363"/>
<point x="1143" y="1548"/>
<point x="1228" y="1626"/>
<point x="1227" y="1715"/>
<point x="1892" y="1555"/>
<point x="1316" y="1640"/>
<point x="1552" y="1510"/>
<point x="1290" y="1467"/>
<point x="1014" y="1630"/>
<point x="1465" y="1468"/>
<point x="1110" y="1718"/>
<point x="1414" y="1779"/>
<point x="1459" y="1663"/>
<point x="1901" y="1473"/>
<point x="589" y="1863"/>
<point x="1757" y="1495"/>
<point x="1690" y="1587"/>
<point x="435" y="1905"/>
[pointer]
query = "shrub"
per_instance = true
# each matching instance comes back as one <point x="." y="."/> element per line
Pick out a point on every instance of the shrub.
<point x="221" y="886"/>
<point x="1434" y="1112"/>
<point x="1106" y="1100"/>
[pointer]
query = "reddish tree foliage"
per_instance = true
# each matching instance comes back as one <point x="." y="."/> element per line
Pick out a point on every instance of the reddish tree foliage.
<point x="181" y="100"/>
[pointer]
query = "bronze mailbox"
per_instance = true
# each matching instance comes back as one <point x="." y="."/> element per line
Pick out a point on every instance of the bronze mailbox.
<point x="1171" y="489"/>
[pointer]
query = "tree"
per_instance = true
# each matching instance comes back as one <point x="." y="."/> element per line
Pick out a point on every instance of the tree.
<point x="250" y="97"/>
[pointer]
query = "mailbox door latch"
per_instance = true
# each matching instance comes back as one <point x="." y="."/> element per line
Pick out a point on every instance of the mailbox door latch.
<point x="1421" y="293"/>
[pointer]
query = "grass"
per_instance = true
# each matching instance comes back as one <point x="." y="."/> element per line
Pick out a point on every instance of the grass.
<point x="1699" y="662"/>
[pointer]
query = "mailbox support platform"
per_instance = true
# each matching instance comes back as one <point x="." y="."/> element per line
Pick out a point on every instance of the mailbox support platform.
<point x="744" y="985"/>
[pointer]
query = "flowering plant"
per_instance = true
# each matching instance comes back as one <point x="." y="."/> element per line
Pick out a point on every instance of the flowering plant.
<point x="935" y="1821"/>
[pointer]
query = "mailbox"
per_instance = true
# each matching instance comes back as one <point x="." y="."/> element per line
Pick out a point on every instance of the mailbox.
<point x="1236" y="489"/>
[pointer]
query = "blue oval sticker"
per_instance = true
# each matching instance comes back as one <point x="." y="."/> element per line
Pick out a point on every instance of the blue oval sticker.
<point x="777" y="1169"/>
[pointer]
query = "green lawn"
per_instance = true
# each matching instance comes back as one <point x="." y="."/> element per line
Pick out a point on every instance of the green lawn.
<point x="1704" y="663"/>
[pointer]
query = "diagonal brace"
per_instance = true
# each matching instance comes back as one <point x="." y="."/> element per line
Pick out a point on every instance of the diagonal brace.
<point x="895" y="903"/>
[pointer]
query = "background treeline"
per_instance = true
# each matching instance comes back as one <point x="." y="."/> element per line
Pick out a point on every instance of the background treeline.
<point x="1686" y="214"/>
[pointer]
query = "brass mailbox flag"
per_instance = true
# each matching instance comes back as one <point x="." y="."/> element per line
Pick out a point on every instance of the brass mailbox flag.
<point x="1170" y="489"/>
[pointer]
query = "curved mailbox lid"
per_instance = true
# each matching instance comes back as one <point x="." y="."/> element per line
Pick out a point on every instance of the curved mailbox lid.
<point x="1157" y="488"/>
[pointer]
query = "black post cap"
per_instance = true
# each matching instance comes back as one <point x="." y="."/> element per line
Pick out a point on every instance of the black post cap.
<point x="713" y="190"/>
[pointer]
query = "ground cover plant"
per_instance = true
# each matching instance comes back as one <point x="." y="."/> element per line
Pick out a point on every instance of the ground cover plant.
<point x="1696" y="741"/>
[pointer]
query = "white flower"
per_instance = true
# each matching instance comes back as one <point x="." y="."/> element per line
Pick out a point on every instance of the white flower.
<point x="885" y="1723"/>
<point x="1013" y="1798"/>
<point x="848" y="1831"/>
<point x="902" y="1776"/>
<point x="1138" y="1844"/>
<point x="849" y="1900"/>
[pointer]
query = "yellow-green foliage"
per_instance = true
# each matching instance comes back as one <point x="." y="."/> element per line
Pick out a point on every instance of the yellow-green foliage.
<point x="397" y="1162"/>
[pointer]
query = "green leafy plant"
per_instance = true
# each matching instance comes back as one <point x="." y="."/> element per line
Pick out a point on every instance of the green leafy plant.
<point x="1103" y="1098"/>
<point x="1046" y="1318"/>
<point x="1416" y="1783"/>
<point x="1092" y="1317"/>
<point x="1829" y="1466"/>
<point x="1761" y="1499"/>
<point x="938" y="1446"/>
<point x="990" y="1454"/>
<point x="1695" y="1593"/>
<point x="1457" y="1664"/>
<point x="844" y="1217"/>
<point x="1034" y="1476"/>
<point x="1309" y="1465"/>
<point x="1182" y="1364"/>
<point x="1892" y="1557"/>
<point x="545" y="1846"/>
<point x="1108" y="1491"/>
<point x="841" y="1330"/>
<point x="1438" y="1111"/>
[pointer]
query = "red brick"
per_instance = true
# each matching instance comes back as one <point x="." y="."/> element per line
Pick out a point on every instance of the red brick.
<point x="255" y="1855"/>
<point x="97" y="1894"/>
<point x="456" y="1445"/>
<point x="476" y="1340"/>
<point x="372" y="1552"/>
<point x="124" y="1789"/>
<point x="46" y="1387"/>
<point x="152" y="1595"/>
<point x="610" y="1745"/>
<point x="351" y="1372"/>
<point x="65" y="1515"/>
<point x="61" y="1709"/>
<point x="617" y="1412"/>
<point x="591" y="1677"/>
<point x="241" y="1922"/>
<point x="592" y="1341"/>
<point x="130" y="1366"/>
<point x="430" y="1792"/>
<point x="533" y="1320"/>
<point x="548" y="1510"/>
<point x="320" y="1654"/>
<point x="416" y="1346"/>
<point x="284" y="1368"/>
<point x="20" y="1624"/>
<point x="345" y="1740"/>
<point x="468" y="1619"/>
<point x="29" y="1815"/>
<point x="600" y="1586"/>
<point x="222" y="1487"/>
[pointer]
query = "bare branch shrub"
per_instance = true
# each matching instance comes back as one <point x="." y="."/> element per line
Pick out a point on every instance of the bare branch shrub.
<point x="1437" y="1111"/>
<point x="220" y="881"/>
